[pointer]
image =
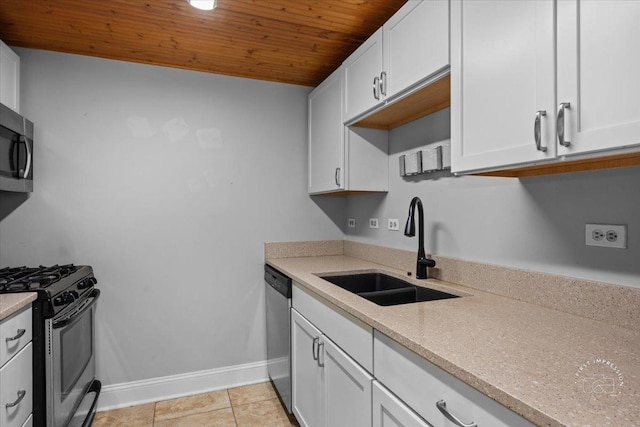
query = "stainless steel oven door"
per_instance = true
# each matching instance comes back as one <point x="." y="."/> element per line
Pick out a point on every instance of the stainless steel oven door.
<point x="70" y="364"/>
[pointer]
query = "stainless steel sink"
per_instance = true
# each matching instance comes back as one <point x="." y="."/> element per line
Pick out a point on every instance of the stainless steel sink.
<point x="385" y="290"/>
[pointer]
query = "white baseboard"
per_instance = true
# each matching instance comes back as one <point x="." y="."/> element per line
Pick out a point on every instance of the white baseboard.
<point x="156" y="389"/>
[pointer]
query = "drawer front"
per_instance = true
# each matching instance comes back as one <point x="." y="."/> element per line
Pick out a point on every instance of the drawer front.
<point x="421" y="385"/>
<point x="12" y="329"/>
<point x="353" y="336"/>
<point x="15" y="381"/>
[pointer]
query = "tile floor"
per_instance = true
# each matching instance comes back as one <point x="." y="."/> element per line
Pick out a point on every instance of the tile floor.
<point x="254" y="405"/>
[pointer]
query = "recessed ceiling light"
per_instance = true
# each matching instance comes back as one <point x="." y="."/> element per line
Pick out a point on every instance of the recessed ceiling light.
<point x="203" y="4"/>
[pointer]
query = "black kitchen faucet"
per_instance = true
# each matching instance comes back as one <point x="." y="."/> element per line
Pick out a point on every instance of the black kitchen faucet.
<point x="410" y="231"/>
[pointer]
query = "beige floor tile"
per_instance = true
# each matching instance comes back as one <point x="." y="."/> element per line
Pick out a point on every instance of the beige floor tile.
<point x="220" y="418"/>
<point x="199" y="403"/>
<point x="133" y="416"/>
<point x="268" y="413"/>
<point x="252" y="393"/>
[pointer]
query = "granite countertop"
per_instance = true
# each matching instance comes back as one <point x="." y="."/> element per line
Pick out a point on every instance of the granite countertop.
<point x="531" y="359"/>
<point x="11" y="303"/>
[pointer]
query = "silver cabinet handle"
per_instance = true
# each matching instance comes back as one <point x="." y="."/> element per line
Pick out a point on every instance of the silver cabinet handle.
<point x="383" y="83"/>
<point x="537" y="131"/>
<point x="376" y="87"/>
<point x="321" y="364"/>
<point x="17" y="336"/>
<point x="560" y="124"/>
<point x="337" y="177"/>
<point x="314" y="349"/>
<point x="25" y="172"/>
<point x="21" y="394"/>
<point x="442" y="406"/>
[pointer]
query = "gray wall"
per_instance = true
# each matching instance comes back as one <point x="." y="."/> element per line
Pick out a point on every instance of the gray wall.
<point x="167" y="182"/>
<point x="533" y="223"/>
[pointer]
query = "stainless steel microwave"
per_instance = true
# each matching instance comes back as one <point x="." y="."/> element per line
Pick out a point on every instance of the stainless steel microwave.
<point x="16" y="151"/>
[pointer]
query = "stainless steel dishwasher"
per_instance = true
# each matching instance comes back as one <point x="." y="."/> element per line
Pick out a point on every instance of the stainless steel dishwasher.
<point x="278" y="321"/>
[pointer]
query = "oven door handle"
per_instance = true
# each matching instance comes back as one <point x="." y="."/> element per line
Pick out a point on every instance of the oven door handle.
<point x="94" y="295"/>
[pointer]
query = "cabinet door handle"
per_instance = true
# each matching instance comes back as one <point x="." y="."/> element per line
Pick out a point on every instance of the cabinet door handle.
<point x="21" y="394"/>
<point x="383" y="83"/>
<point x="314" y="349"/>
<point x="537" y="131"/>
<point x="24" y="173"/>
<point x="321" y="364"/>
<point x="376" y="87"/>
<point x="442" y="406"/>
<point x="17" y="336"/>
<point x="337" y="176"/>
<point x="560" y="123"/>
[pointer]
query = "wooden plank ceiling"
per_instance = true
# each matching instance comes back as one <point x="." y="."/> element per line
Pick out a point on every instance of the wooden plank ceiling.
<point x="291" y="41"/>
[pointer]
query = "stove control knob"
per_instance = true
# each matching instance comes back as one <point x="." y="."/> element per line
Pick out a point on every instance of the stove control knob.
<point x="87" y="283"/>
<point x="73" y="295"/>
<point x="58" y="301"/>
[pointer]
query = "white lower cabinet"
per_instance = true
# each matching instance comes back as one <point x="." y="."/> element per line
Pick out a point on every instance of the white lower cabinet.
<point x="16" y="370"/>
<point x="329" y="388"/>
<point x="389" y="411"/>
<point x="423" y="387"/>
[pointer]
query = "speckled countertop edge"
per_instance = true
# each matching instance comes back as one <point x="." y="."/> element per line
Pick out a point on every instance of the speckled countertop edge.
<point x="12" y="303"/>
<point x="537" y="378"/>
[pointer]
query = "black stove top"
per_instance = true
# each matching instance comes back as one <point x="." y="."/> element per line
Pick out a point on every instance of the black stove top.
<point x="58" y="287"/>
<point x="16" y="279"/>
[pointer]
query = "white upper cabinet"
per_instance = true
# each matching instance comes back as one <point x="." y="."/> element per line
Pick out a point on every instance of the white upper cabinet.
<point x="415" y="44"/>
<point x="362" y="72"/>
<point x="342" y="159"/>
<point x="502" y="75"/>
<point x="412" y="46"/>
<point x="527" y="88"/>
<point x="9" y="77"/>
<point x="599" y="74"/>
<point x="326" y="136"/>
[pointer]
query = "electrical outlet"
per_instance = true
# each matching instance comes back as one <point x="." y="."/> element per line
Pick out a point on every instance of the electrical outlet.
<point x="394" y="224"/>
<point x="606" y="235"/>
<point x="351" y="223"/>
<point x="373" y="222"/>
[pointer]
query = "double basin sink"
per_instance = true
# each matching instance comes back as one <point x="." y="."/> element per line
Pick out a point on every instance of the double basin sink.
<point x="385" y="290"/>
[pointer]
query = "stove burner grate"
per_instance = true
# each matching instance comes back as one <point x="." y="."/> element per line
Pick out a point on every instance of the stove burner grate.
<point x="14" y="279"/>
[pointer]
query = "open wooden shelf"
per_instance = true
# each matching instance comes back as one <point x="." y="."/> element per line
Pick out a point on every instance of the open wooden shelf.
<point x="569" y="166"/>
<point x="434" y="97"/>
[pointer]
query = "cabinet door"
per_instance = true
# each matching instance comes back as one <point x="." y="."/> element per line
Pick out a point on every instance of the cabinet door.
<point x="326" y="136"/>
<point x="416" y="43"/>
<point x="389" y="411"/>
<point x="502" y="73"/>
<point x="347" y="387"/>
<point x="360" y="69"/>
<point x="9" y="77"/>
<point x="598" y="69"/>
<point x="306" y="372"/>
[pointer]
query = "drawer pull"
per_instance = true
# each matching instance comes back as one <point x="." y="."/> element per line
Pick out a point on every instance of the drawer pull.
<point x="442" y="406"/>
<point x="21" y="394"/>
<point x="321" y="364"/>
<point x="18" y="335"/>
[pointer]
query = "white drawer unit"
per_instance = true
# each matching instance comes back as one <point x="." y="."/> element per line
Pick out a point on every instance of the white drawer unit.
<point x="349" y="333"/>
<point x="16" y="389"/>
<point x="432" y="393"/>
<point x="15" y="333"/>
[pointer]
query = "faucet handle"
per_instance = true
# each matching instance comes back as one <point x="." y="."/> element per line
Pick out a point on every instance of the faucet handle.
<point x="427" y="262"/>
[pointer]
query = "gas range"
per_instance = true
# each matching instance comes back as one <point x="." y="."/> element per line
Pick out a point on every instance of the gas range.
<point x="65" y="390"/>
<point x="58" y="286"/>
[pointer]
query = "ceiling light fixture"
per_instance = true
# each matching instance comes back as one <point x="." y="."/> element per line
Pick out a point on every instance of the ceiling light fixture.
<point x="203" y="4"/>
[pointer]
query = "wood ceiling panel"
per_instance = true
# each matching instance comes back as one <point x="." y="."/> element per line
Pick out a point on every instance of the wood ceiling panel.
<point x="292" y="41"/>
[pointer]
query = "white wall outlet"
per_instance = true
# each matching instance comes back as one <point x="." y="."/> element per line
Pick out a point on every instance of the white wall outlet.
<point x="394" y="224"/>
<point x="373" y="222"/>
<point x="351" y="223"/>
<point x="606" y="235"/>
